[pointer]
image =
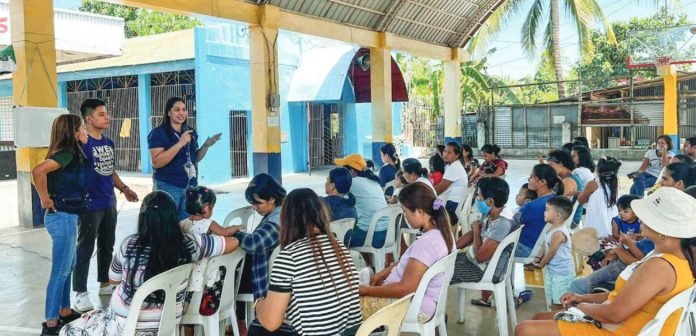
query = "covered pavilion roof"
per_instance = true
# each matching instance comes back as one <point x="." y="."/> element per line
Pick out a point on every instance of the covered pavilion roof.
<point x="448" y="23"/>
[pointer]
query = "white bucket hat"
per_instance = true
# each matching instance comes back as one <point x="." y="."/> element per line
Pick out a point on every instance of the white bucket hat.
<point x="668" y="211"/>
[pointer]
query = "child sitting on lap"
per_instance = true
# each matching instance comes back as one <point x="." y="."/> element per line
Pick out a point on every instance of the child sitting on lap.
<point x="626" y="222"/>
<point x="199" y="204"/>
<point x="556" y="257"/>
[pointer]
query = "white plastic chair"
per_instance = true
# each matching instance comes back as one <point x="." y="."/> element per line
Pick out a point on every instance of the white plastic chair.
<point x="463" y="210"/>
<point x="537" y="247"/>
<point x="444" y="266"/>
<point x="569" y="221"/>
<point x="341" y="227"/>
<point x="213" y="325"/>
<point x="244" y="214"/>
<point x="390" y="316"/>
<point x="501" y="289"/>
<point x="248" y="298"/>
<point x="391" y="245"/>
<point x="170" y="282"/>
<point x="679" y="301"/>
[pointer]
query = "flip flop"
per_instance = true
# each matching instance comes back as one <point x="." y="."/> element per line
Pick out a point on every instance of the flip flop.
<point x="524" y="296"/>
<point x="481" y="303"/>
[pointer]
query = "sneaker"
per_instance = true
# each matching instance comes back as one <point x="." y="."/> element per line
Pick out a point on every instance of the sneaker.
<point x="50" y="331"/>
<point x="83" y="303"/>
<point x="107" y="290"/>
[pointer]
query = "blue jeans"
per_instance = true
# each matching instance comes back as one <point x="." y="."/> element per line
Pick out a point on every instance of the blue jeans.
<point x="357" y="238"/>
<point x="62" y="227"/>
<point x="178" y="194"/>
<point x="608" y="273"/>
<point x="522" y="251"/>
<point x="642" y="182"/>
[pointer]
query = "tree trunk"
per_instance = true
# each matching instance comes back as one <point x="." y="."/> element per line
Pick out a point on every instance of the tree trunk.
<point x="555" y="42"/>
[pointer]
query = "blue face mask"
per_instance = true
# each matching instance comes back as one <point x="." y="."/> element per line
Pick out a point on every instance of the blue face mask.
<point x="482" y="207"/>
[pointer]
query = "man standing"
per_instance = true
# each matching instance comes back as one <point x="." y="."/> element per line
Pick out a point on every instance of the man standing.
<point x="690" y="147"/>
<point x="99" y="222"/>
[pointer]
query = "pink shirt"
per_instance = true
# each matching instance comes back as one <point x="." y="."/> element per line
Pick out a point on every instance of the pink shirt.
<point x="428" y="249"/>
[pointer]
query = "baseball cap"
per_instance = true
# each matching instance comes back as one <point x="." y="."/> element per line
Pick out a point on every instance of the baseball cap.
<point x="354" y="161"/>
<point x="668" y="211"/>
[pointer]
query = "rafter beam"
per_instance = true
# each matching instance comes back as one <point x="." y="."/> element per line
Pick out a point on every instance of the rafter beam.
<point x="387" y="19"/>
<point x="472" y="28"/>
<point x="247" y="12"/>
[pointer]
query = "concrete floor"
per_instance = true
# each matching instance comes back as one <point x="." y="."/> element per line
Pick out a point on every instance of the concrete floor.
<point x="25" y="254"/>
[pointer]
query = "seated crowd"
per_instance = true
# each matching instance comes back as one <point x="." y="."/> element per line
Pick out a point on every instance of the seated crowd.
<point x="569" y="204"/>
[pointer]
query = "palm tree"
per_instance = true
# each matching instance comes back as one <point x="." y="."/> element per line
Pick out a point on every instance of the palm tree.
<point x="581" y="12"/>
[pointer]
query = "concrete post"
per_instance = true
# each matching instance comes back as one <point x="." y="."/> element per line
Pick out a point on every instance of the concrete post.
<point x="566" y="133"/>
<point x="452" y="98"/>
<point x="265" y="92"/>
<point x="34" y="83"/>
<point x="381" y="98"/>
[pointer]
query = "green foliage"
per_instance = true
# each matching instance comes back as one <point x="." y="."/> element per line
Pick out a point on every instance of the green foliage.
<point x="609" y="60"/>
<point x="141" y="22"/>
<point x="423" y="78"/>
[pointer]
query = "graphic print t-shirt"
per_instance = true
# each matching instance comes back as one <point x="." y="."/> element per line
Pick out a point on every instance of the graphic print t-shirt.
<point x="101" y="154"/>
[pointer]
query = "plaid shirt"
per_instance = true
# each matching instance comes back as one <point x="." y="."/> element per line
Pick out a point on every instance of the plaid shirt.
<point x="260" y="244"/>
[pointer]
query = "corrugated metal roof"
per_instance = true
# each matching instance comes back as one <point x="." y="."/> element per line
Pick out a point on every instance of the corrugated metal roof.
<point x="449" y="23"/>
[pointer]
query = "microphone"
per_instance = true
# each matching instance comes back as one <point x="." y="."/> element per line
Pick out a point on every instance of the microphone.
<point x="186" y="128"/>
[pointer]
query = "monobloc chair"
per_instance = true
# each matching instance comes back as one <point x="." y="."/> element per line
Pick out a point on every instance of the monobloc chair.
<point x="171" y="282"/>
<point x="679" y="301"/>
<point x="392" y="214"/>
<point x="444" y="266"/>
<point x="213" y="325"/>
<point x="341" y="226"/>
<point x="500" y="283"/>
<point x="463" y="210"/>
<point x="390" y="316"/>
<point x="248" y="298"/>
<point x="537" y="247"/>
<point x="245" y="216"/>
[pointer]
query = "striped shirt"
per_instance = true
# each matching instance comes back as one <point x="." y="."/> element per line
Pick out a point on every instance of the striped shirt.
<point x="322" y="302"/>
<point x="200" y="246"/>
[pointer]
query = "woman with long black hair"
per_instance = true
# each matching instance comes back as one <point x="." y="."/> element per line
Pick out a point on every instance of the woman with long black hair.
<point x="314" y="283"/>
<point x="159" y="246"/>
<point x="175" y="153"/>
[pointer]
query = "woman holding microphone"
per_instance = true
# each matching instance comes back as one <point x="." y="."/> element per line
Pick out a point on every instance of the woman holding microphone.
<point x="175" y="153"/>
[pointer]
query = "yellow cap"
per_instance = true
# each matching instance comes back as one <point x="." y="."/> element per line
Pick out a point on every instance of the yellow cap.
<point x="354" y="161"/>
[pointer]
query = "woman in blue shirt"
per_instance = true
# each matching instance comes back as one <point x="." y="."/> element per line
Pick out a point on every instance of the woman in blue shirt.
<point x="175" y="153"/>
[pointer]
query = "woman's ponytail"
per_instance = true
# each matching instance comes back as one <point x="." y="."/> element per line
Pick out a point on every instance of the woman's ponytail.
<point x="559" y="188"/>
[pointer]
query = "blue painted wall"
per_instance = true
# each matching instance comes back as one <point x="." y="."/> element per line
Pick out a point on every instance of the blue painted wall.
<point x="221" y="86"/>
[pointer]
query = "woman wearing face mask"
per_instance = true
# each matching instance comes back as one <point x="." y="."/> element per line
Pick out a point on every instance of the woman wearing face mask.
<point x="649" y="170"/>
<point x="485" y="235"/>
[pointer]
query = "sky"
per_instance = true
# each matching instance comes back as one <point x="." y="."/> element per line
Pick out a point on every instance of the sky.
<point x="510" y="61"/>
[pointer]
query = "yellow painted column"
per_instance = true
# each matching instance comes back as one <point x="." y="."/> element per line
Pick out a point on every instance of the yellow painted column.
<point x="671" y="128"/>
<point x="34" y="84"/>
<point x="265" y="97"/>
<point x="453" y="98"/>
<point x="671" y="121"/>
<point x="381" y="97"/>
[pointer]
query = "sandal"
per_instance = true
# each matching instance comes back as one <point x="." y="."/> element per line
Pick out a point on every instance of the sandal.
<point x="481" y="303"/>
<point x="524" y="296"/>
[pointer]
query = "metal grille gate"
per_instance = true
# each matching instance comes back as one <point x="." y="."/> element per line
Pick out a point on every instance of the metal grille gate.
<point x="121" y="97"/>
<point x="239" y="148"/>
<point x="172" y="84"/>
<point x="325" y="134"/>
